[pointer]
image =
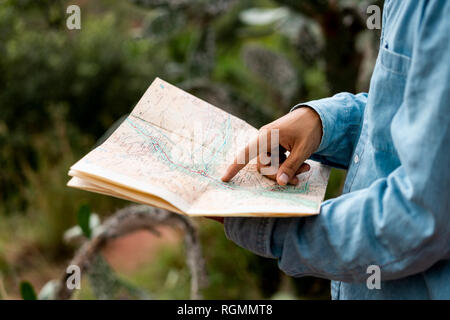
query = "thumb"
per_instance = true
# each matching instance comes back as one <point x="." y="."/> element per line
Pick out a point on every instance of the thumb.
<point x="289" y="167"/>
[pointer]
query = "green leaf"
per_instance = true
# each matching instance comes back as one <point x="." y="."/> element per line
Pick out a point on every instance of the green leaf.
<point x="27" y="291"/>
<point x="84" y="215"/>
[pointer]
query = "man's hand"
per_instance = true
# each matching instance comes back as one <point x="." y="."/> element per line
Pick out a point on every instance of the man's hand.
<point x="300" y="133"/>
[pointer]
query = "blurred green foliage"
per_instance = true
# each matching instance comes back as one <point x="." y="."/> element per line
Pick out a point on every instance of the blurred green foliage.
<point x="83" y="218"/>
<point x="60" y="90"/>
<point x="27" y="291"/>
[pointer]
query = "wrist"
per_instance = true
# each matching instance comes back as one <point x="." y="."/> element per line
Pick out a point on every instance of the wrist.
<point x="311" y="117"/>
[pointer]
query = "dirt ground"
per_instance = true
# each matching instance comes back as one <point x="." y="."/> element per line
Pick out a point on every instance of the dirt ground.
<point x="130" y="252"/>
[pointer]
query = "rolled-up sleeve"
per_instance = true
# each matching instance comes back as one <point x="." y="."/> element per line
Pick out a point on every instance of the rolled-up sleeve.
<point x="341" y="117"/>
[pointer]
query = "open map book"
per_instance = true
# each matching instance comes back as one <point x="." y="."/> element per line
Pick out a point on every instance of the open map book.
<point x="171" y="151"/>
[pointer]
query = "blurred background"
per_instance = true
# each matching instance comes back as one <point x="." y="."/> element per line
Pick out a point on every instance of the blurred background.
<point x="60" y="91"/>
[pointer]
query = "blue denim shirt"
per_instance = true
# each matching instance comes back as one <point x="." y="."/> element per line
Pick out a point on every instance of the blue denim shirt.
<point x="395" y="143"/>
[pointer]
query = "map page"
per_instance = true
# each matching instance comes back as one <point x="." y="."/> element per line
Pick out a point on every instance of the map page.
<point x="171" y="152"/>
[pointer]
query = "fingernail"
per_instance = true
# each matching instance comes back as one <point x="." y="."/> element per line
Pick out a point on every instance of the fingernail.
<point x="305" y="168"/>
<point x="284" y="179"/>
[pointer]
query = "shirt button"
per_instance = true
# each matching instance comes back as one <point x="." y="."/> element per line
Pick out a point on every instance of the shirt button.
<point x="356" y="159"/>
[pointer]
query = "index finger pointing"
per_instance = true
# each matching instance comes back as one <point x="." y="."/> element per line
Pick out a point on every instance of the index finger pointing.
<point x="250" y="152"/>
<point x="232" y="170"/>
<point x="239" y="162"/>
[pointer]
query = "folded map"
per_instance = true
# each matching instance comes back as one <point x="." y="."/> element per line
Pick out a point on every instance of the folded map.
<point x="171" y="152"/>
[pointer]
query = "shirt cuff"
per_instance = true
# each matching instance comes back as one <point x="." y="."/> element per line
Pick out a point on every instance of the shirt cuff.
<point x="320" y="106"/>
<point x="253" y="234"/>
